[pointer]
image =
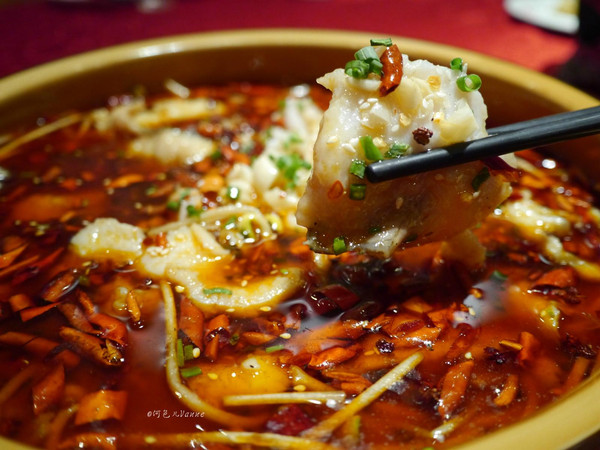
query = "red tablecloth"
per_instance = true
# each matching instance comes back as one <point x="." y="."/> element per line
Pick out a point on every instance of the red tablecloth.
<point x="34" y="32"/>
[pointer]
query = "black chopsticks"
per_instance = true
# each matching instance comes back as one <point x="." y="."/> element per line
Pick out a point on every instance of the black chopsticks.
<point x="501" y="140"/>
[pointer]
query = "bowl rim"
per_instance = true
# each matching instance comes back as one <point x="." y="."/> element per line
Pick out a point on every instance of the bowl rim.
<point x="568" y="424"/>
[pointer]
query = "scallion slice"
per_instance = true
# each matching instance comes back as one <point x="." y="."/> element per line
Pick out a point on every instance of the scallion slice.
<point x="179" y="353"/>
<point x="189" y="372"/>
<point x="376" y="66"/>
<point x="382" y="41"/>
<point x="498" y="276"/>
<point x="366" y="54"/>
<point x="339" y="245"/>
<point x="358" y="191"/>
<point x="192" y="211"/>
<point x="233" y="192"/>
<point x="456" y="64"/>
<point x="468" y="83"/>
<point x="188" y="352"/>
<point x="357" y="168"/>
<point x="357" y="69"/>
<point x="397" y="150"/>
<point x="217" y="290"/>
<point x="372" y="153"/>
<point x="274" y="348"/>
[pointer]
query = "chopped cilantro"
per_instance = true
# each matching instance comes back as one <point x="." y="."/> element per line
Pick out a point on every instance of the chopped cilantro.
<point x="288" y="166"/>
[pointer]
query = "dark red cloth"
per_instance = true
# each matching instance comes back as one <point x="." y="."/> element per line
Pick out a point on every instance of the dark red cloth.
<point x="41" y="31"/>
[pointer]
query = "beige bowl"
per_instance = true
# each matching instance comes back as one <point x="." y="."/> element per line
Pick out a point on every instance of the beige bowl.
<point x="293" y="56"/>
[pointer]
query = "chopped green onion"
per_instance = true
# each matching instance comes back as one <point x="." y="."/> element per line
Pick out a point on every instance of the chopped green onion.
<point x="468" y="83"/>
<point x="358" y="191"/>
<point x="376" y="66"/>
<point x="192" y="211"/>
<point x="173" y="205"/>
<point x="498" y="276"/>
<point x="382" y="41"/>
<point x="84" y="280"/>
<point x="151" y="190"/>
<point x="234" y="339"/>
<point x="397" y="150"/>
<point x="372" y="153"/>
<point x="217" y="290"/>
<point x="292" y="139"/>
<point x="357" y="69"/>
<point x="230" y="223"/>
<point x="217" y="154"/>
<point x="456" y="64"/>
<point x="289" y="165"/>
<point x="339" y="245"/>
<point x="179" y="353"/>
<point x="374" y="230"/>
<point x="357" y="168"/>
<point x="274" y="348"/>
<point x="366" y="54"/>
<point x="233" y="193"/>
<point x="188" y="352"/>
<point x="189" y="372"/>
<point x="551" y="315"/>
<point x="480" y="178"/>
<point x="246" y="228"/>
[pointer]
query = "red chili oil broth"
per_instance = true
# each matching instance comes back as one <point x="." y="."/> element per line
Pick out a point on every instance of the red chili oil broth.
<point x="74" y="169"/>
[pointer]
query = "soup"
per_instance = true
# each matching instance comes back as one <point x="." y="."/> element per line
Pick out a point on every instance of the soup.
<point x="158" y="292"/>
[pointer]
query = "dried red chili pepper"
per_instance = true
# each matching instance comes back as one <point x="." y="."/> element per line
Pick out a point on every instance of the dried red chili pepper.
<point x="392" y="70"/>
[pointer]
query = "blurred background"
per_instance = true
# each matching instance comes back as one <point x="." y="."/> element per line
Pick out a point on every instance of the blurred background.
<point x="558" y="37"/>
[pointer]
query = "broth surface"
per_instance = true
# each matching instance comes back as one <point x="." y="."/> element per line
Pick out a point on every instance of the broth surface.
<point x="498" y="342"/>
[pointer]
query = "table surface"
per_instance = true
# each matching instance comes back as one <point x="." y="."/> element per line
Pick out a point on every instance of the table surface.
<point x="38" y="31"/>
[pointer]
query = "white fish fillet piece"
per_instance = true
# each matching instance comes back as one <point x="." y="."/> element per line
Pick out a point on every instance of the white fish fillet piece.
<point x="412" y="210"/>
